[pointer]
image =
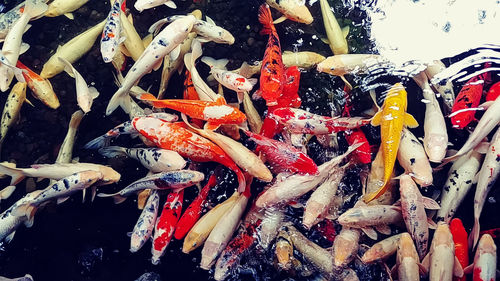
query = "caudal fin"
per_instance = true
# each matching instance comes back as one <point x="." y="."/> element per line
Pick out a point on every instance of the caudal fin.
<point x="121" y="99"/>
<point x="474" y="234"/>
<point x="117" y="198"/>
<point x="7" y="192"/>
<point x="266" y="19"/>
<point x="35" y="8"/>
<point x="16" y="174"/>
<point x="112" y="151"/>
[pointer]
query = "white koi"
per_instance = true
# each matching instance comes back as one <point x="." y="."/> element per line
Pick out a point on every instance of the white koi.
<point x="143" y="229"/>
<point x="85" y="95"/>
<point x="64" y="7"/>
<point x="412" y="157"/>
<point x="111" y="33"/>
<point x="141" y="5"/>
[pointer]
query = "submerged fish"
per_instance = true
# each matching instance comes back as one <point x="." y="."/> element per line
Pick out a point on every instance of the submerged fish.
<point x="143" y="229"/>
<point x="382" y="249"/>
<point x="461" y="244"/>
<point x="64" y="7"/>
<point x="111" y="33"/>
<point x="85" y="95"/>
<point x="293" y="10"/>
<point x="40" y="87"/>
<point x="407" y="260"/>
<point x="485" y="260"/>
<point x="12" y="109"/>
<point x="141" y="5"/>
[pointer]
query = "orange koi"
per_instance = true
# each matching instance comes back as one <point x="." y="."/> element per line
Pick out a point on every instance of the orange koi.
<point x="461" y="245"/>
<point x="40" y="87"/>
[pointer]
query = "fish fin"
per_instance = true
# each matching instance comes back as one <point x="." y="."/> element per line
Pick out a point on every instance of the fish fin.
<point x="374" y="195"/>
<point x="63" y="199"/>
<point x="25" y="209"/>
<point x="410" y="121"/>
<point x="93" y="92"/>
<point x="457" y="268"/>
<point x="213" y="63"/>
<point x="67" y="67"/>
<point x="112" y="151"/>
<point x="125" y="51"/>
<point x="155" y="27"/>
<point x="253" y="81"/>
<point x="117" y="199"/>
<point x="15" y="174"/>
<point x="431" y="223"/>
<point x="147" y="97"/>
<point x="98" y="142"/>
<point x="211" y="126"/>
<point x="325" y="40"/>
<point x="93" y="193"/>
<point x="257" y="95"/>
<point x="121" y="99"/>
<point x="69" y="16"/>
<point x="280" y="20"/>
<point x="34" y="8"/>
<point x="29" y="102"/>
<point x="474" y="234"/>
<point x="157" y="65"/>
<point x="430" y="204"/>
<point x="24" y="48"/>
<point x="370" y="232"/>
<point x="468" y="269"/>
<point x="220" y="100"/>
<point x="345" y="31"/>
<point x="482" y="147"/>
<point x="376" y="119"/>
<point x="129" y="234"/>
<point x="210" y="20"/>
<point x="422" y="269"/>
<point x="384" y="229"/>
<point x="7" y="192"/>
<point x="346" y="82"/>
<point x="426" y="262"/>
<point x="171" y="4"/>
<point x="175" y="53"/>
<point x="18" y="73"/>
<point x="147" y="40"/>
<point x="9" y="237"/>
<point x="266" y="19"/>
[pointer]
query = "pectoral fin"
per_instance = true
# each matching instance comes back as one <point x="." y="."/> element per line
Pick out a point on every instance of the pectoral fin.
<point x="377" y="118"/>
<point x="345" y="31"/>
<point x="410" y="121"/>
<point x="69" y="16"/>
<point x="279" y="20"/>
<point x="211" y="126"/>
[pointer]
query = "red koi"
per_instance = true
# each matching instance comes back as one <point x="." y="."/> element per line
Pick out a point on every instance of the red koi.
<point x="272" y="72"/>
<point x="289" y="96"/>
<point x="462" y="112"/>
<point x="461" y="245"/>
<point x="189" y="90"/>
<point x="193" y="212"/>
<point x="176" y="137"/>
<point x="283" y="157"/>
<point x="216" y="113"/>
<point x="166" y="223"/>
<point x="303" y="122"/>
<point x="494" y="92"/>
<point x="363" y="154"/>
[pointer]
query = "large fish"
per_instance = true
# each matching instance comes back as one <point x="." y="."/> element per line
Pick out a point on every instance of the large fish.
<point x="485" y="260"/>
<point x="407" y="260"/>
<point x="345" y="246"/>
<point x="336" y="37"/>
<point x="441" y="260"/>
<point x="293" y="10"/>
<point x="64" y="7"/>
<point x="12" y="109"/>
<point x="382" y="249"/>
<point x="141" y="5"/>
<point x="40" y="87"/>
<point x="412" y="157"/>
<point x="461" y="244"/>
<point x="111" y="34"/>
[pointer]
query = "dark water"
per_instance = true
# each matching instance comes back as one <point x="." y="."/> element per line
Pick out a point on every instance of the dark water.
<point x="88" y="241"/>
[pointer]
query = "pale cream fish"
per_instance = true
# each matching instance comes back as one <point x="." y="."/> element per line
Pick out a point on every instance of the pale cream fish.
<point x="435" y="134"/>
<point x="143" y="229"/>
<point x="64" y="7"/>
<point x="364" y="216"/>
<point x="71" y="51"/>
<point x="484" y="266"/>
<point x="345" y="246"/>
<point x="460" y="180"/>
<point x="340" y="65"/>
<point x="295" y="10"/>
<point x="253" y="116"/>
<point x="407" y="260"/>
<point x="12" y="109"/>
<point x="304" y="59"/>
<point x="26" y="277"/>
<point x="133" y="42"/>
<point x="382" y="249"/>
<point x="271" y="222"/>
<point x="85" y="95"/>
<point x="141" y="5"/>
<point x="412" y="157"/>
<point x="65" y="154"/>
<point x="166" y="42"/>
<point x="336" y="37"/>
<point x="446" y="90"/>
<point x="229" y="79"/>
<point x="12" y="45"/>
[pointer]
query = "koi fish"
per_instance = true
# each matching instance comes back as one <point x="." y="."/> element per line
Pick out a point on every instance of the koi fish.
<point x="407" y="261"/>
<point x="12" y="45"/>
<point x="65" y="154"/>
<point x="441" y="260"/>
<point x="228" y="79"/>
<point x="165" y="226"/>
<point x="382" y="250"/>
<point x="253" y="116"/>
<point x="411" y="156"/>
<point x="293" y="10"/>
<point x="215" y="113"/>
<point x="375" y="180"/>
<point x="486" y="180"/>
<point x="12" y="109"/>
<point x="193" y="212"/>
<point x="467" y="100"/>
<point x="336" y="37"/>
<point x="283" y="157"/>
<point x="485" y="260"/>
<point x="392" y="118"/>
<point x="445" y="90"/>
<point x="156" y="160"/>
<point x="174" y="180"/>
<point x="363" y="153"/>
<point x="204" y="91"/>
<point x="340" y="65"/>
<point x="59" y="171"/>
<point x="85" y="95"/>
<point x="304" y="60"/>
<point x="72" y="50"/>
<point x="40" y="87"/>
<point x="18" y="73"/>
<point x="174" y="136"/>
<point x="461" y="245"/>
<point x="143" y="229"/>
<point x="289" y="96"/>
<point x="166" y="42"/>
<point x="272" y="73"/>
<point x="270" y="223"/>
<point x="133" y="42"/>
<point x="284" y="250"/>
<point x="64" y="7"/>
<point x="9" y="18"/>
<point x="110" y="38"/>
<point x="299" y="121"/>
<point x="366" y="217"/>
<point x="493" y="92"/>
<point x="142" y="5"/>
<point x="345" y="246"/>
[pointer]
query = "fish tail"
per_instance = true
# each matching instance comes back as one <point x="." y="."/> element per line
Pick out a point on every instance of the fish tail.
<point x="75" y="120"/>
<point x="374" y="195"/>
<point x="117" y="198"/>
<point x="112" y="151"/>
<point x="7" y="192"/>
<point x="98" y="142"/>
<point x="474" y="234"/>
<point x="35" y="8"/>
<point x="16" y="175"/>
<point x="266" y="19"/>
<point x="119" y="99"/>
<point x="213" y="63"/>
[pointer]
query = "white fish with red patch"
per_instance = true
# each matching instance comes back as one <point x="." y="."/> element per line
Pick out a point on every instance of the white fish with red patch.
<point x="12" y="47"/>
<point x="143" y="229"/>
<point x="166" y="42"/>
<point x="484" y="267"/>
<point x="85" y="95"/>
<point x="486" y="180"/>
<point x="141" y="5"/>
<point x="111" y="38"/>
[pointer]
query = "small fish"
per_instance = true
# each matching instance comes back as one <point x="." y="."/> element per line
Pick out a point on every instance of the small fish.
<point x="166" y="42"/>
<point x="382" y="250"/>
<point x="142" y="5"/>
<point x="485" y="260"/>
<point x="204" y="92"/>
<point x="165" y="226"/>
<point x="392" y="118"/>
<point x="175" y="136"/>
<point x="460" y="179"/>
<point x="156" y="160"/>
<point x="58" y="171"/>
<point x="40" y="87"/>
<point x="72" y="50"/>
<point x="341" y="65"/>
<point x="8" y="18"/>
<point x="18" y="73"/>
<point x="228" y="79"/>
<point x="65" y="154"/>
<point x="272" y="73"/>
<point x="299" y="121"/>
<point x="85" y="95"/>
<point x="488" y="174"/>
<point x="253" y="116"/>
<point x="363" y="154"/>
<point x="174" y="180"/>
<point x="64" y="7"/>
<point x="461" y="244"/>
<point x="303" y="60"/>
<point x="215" y="113"/>
<point x="412" y="157"/>
<point x="12" y="109"/>
<point x="13" y="41"/>
<point x="110" y="38"/>
<point x="445" y="90"/>
<point x="407" y="260"/>
<point x="336" y="37"/>
<point x="143" y="229"/>
<point x="493" y="92"/>
<point x="193" y="212"/>
<point x="345" y="246"/>
<point x="441" y="260"/>
<point x="293" y="10"/>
